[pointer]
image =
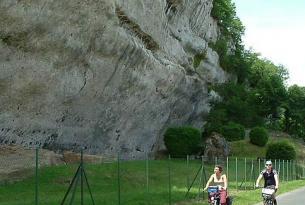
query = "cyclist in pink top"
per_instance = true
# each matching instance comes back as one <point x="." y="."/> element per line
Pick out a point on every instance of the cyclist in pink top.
<point x="220" y="180"/>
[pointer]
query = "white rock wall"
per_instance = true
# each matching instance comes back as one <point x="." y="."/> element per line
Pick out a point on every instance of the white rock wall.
<point x="106" y="75"/>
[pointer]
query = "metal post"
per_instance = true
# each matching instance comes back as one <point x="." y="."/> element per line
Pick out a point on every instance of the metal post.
<point x="81" y="179"/>
<point x="119" y="181"/>
<point x="228" y="168"/>
<point x="169" y="182"/>
<point x="36" y="176"/>
<point x="147" y="179"/>
<point x="74" y="189"/>
<point x="187" y="168"/>
<point x="252" y="174"/>
<point x="303" y="165"/>
<point x="279" y="168"/>
<point x="89" y="189"/>
<point x="147" y="174"/>
<point x="275" y="164"/>
<point x="259" y="165"/>
<point x="294" y="169"/>
<point x="236" y="173"/>
<point x="245" y="173"/>
<point x="283" y="170"/>
<point x="287" y="165"/>
<point x="216" y="161"/>
<point x="203" y="174"/>
<point x="71" y="185"/>
<point x="200" y="179"/>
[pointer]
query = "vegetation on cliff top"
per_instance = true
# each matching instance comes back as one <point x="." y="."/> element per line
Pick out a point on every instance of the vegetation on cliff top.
<point x="259" y="95"/>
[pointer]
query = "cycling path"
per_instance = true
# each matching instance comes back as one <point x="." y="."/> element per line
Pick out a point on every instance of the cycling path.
<point x="296" y="197"/>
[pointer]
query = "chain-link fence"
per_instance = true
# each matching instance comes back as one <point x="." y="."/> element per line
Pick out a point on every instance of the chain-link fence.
<point x="37" y="177"/>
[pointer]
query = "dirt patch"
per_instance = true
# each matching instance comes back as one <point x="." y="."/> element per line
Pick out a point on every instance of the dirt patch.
<point x="17" y="163"/>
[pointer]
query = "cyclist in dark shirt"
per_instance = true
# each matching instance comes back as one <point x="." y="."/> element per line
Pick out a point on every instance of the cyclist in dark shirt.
<point x="270" y="177"/>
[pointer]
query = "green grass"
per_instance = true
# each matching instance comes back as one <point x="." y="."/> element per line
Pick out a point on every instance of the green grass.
<point x="244" y="148"/>
<point x="54" y="182"/>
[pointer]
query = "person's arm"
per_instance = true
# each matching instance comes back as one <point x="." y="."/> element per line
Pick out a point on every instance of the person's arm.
<point x="258" y="180"/>
<point x="208" y="183"/>
<point x="225" y="182"/>
<point x="276" y="177"/>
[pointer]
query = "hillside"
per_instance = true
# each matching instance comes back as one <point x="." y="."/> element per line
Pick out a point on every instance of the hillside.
<point x="244" y="148"/>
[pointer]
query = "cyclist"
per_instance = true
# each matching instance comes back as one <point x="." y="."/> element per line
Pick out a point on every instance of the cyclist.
<point x="219" y="179"/>
<point x="270" y="177"/>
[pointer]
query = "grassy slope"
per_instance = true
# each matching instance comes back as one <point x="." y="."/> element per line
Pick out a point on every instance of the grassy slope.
<point x="244" y="148"/>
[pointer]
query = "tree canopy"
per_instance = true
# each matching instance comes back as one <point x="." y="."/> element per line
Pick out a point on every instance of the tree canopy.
<point x="259" y="95"/>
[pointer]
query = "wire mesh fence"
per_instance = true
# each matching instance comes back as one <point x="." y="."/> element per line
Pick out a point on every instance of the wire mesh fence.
<point x="34" y="178"/>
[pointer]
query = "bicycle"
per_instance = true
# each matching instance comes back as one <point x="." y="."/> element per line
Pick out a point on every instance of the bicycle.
<point x="268" y="195"/>
<point x="213" y="195"/>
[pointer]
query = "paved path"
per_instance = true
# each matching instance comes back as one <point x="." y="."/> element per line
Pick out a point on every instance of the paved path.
<point x="296" y="197"/>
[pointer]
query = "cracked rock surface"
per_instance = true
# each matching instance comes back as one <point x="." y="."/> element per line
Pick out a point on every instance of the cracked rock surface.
<point x="109" y="75"/>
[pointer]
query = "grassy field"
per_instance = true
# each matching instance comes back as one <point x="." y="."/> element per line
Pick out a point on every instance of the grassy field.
<point x="135" y="186"/>
<point x="244" y="148"/>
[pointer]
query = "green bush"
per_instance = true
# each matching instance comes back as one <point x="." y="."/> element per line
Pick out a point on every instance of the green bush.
<point x="216" y="119"/>
<point x="259" y="136"/>
<point x="281" y="150"/>
<point x="233" y="131"/>
<point x="181" y="141"/>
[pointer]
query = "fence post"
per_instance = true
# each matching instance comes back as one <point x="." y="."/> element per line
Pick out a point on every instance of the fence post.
<point x="200" y="179"/>
<point x="259" y="165"/>
<point x="36" y="175"/>
<point x="81" y="177"/>
<point x="119" y="180"/>
<point x="203" y="174"/>
<point x="283" y="169"/>
<point x="279" y="168"/>
<point x="287" y="170"/>
<point x="187" y="168"/>
<point x="169" y="182"/>
<point x="236" y="173"/>
<point x="303" y="168"/>
<point x="147" y="176"/>
<point x="252" y="174"/>
<point x="245" y="173"/>
<point x="228" y="168"/>
<point x="294" y="170"/>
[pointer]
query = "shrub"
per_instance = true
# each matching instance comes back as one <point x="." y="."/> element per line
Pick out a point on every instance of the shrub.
<point x="259" y="136"/>
<point x="216" y="119"/>
<point x="280" y="150"/>
<point x="233" y="131"/>
<point x="198" y="58"/>
<point x="181" y="141"/>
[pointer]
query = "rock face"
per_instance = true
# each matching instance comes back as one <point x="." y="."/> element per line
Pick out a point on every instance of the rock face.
<point x="106" y="75"/>
<point x="216" y="146"/>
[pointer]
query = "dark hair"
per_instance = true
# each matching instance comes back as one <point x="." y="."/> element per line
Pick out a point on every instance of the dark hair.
<point x="219" y="167"/>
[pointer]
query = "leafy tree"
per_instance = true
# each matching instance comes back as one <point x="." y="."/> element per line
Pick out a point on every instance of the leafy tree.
<point x="295" y="111"/>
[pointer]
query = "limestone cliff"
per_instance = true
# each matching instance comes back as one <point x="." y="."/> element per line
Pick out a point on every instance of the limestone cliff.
<point x="106" y="75"/>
